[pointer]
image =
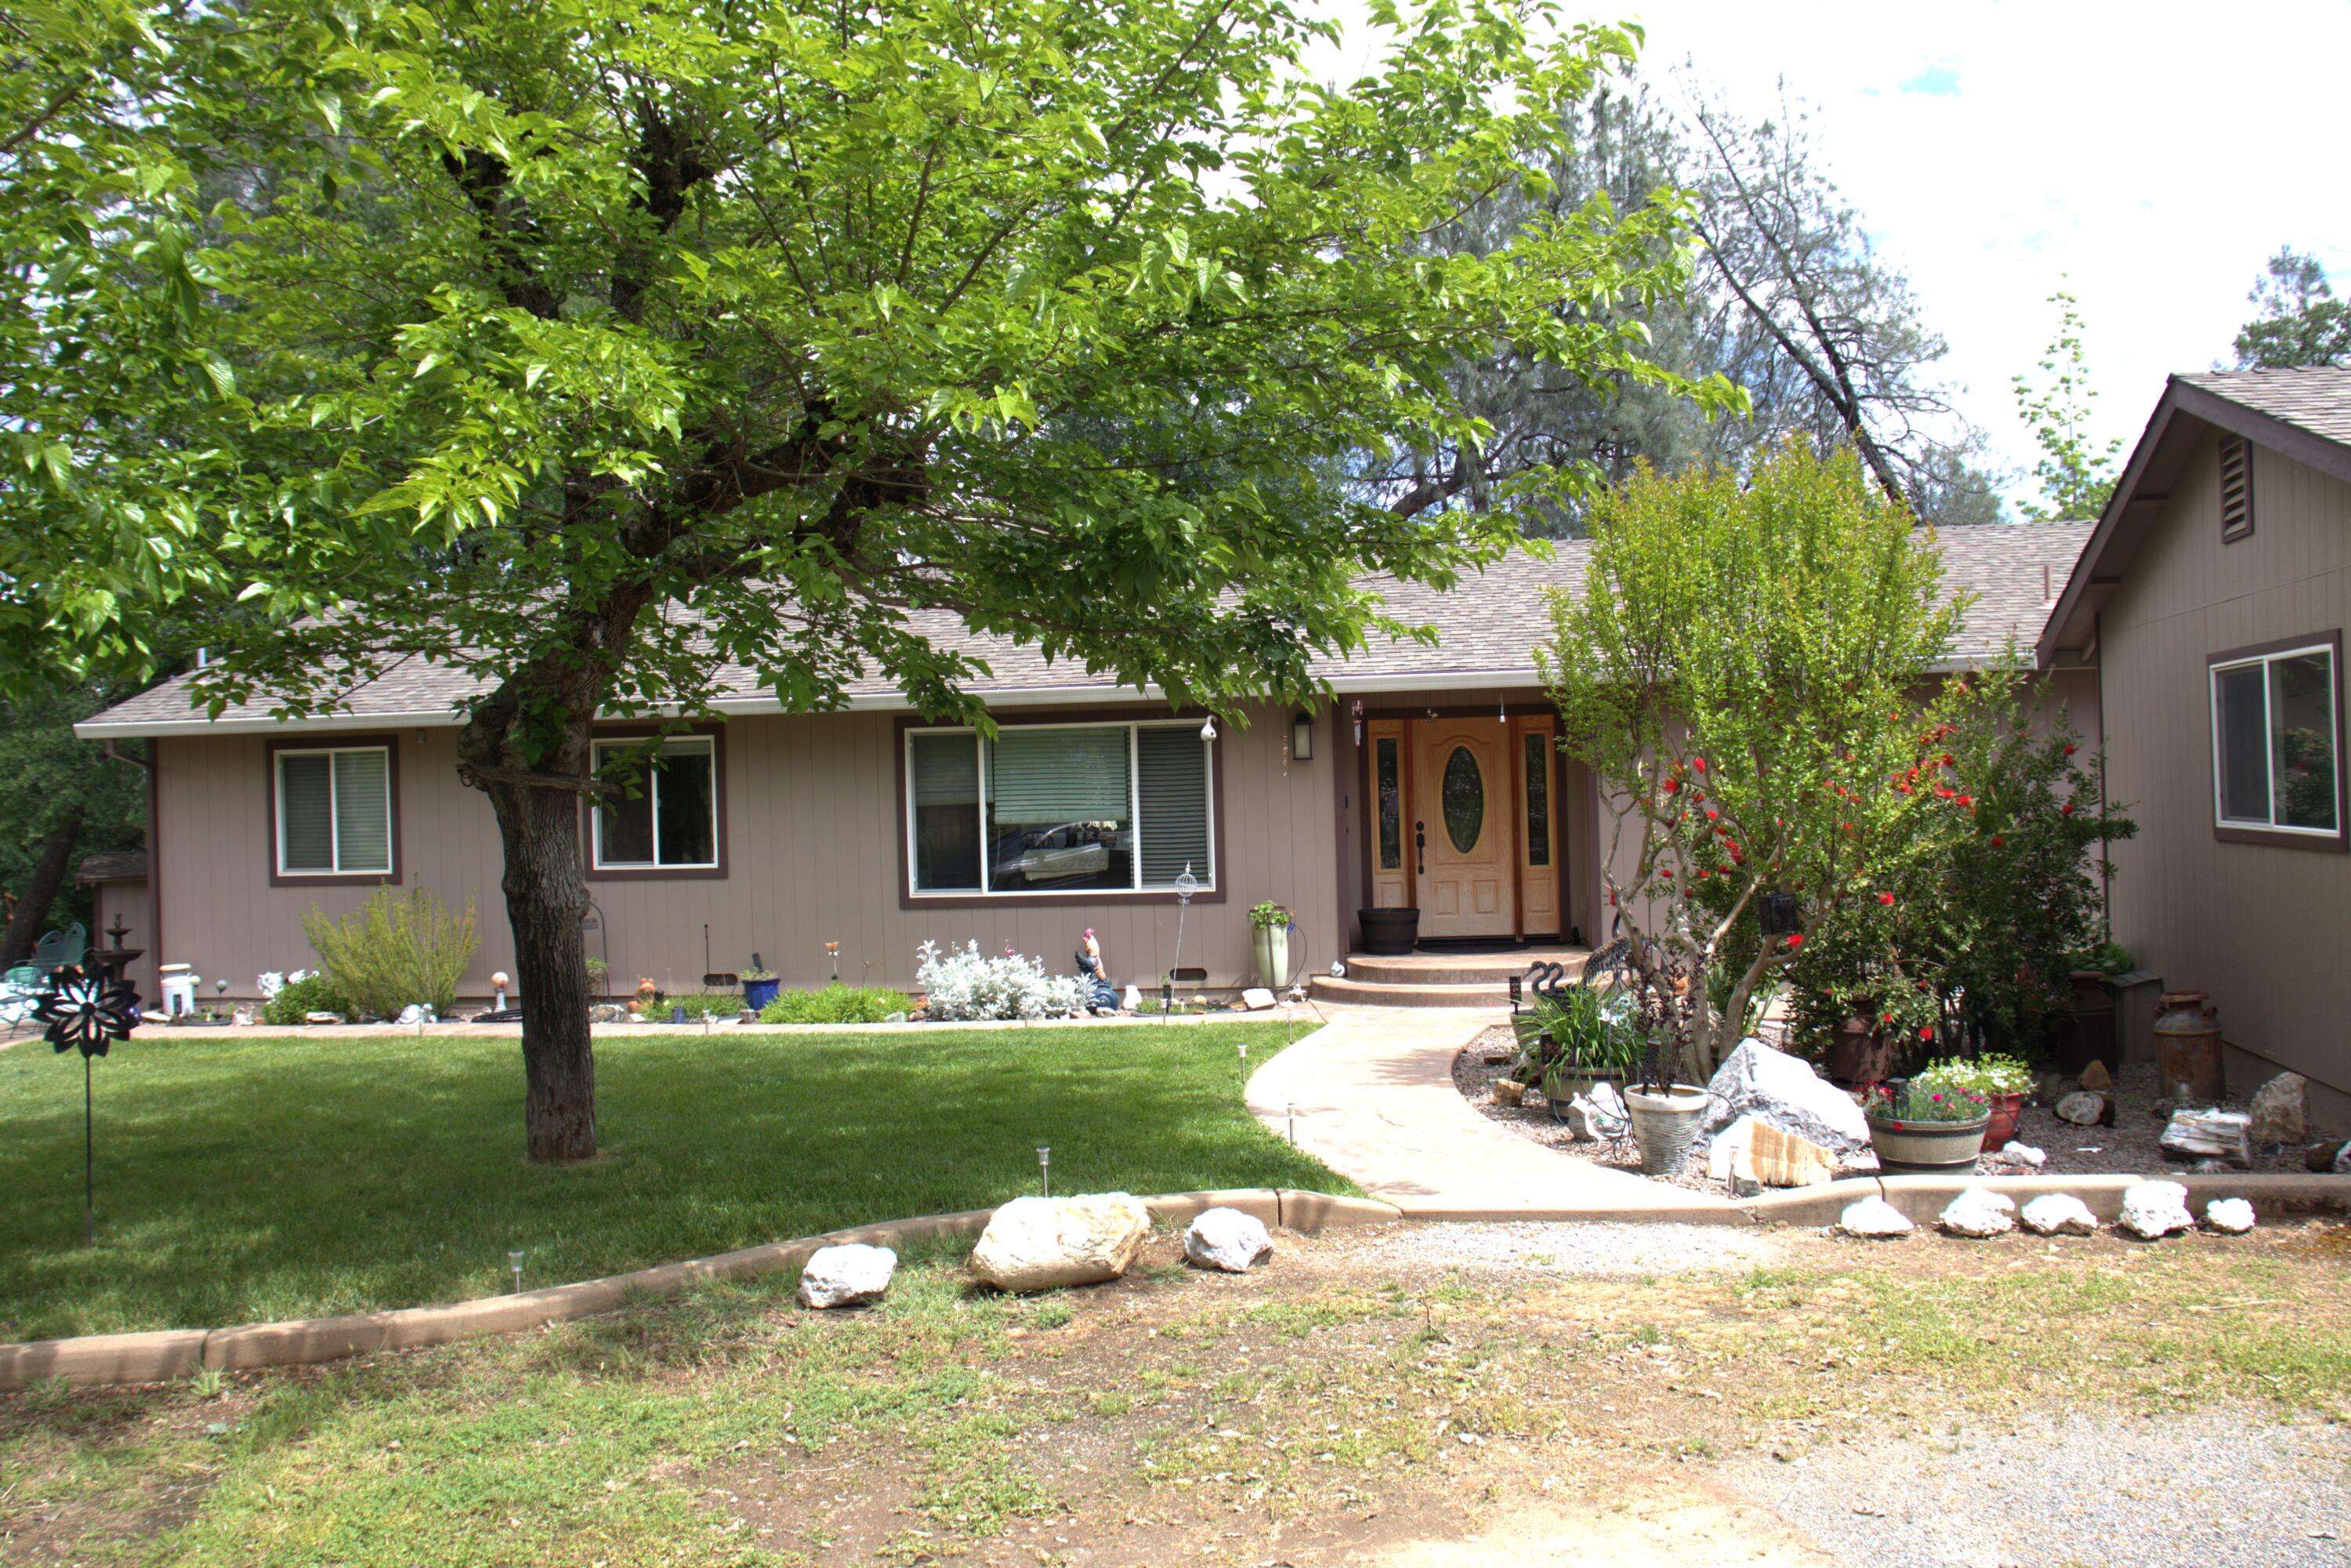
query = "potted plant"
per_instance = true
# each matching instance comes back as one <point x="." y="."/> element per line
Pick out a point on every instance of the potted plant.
<point x="1921" y="1130"/>
<point x="759" y="988"/>
<point x="2002" y="1083"/>
<point x="1572" y="1039"/>
<point x="1271" y="924"/>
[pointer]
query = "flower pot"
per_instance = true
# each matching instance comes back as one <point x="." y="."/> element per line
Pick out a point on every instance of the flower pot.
<point x="1859" y="1054"/>
<point x="1272" y="945"/>
<point x="1927" y="1148"/>
<point x="758" y="994"/>
<point x="1389" y="933"/>
<point x="2005" y="1110"/>
<point x="1664" y="1125"/>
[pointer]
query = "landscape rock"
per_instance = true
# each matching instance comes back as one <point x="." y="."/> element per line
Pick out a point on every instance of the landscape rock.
<point x="2319" y="1157"/>
<point x="1979" y="1212"/>
<point x="2049" y="1089"/>
<point x="1731" y="1141"/>
<point x="1044" y="1243"/>
<point x="2058" y="1214"/>
<point x="2018" y="1153"/>
<point x="1510" y="1091"/>
<point x="1785" y="1093"/>
<point x="2230" y="1215"/>
<point x="1227" y="1239"/>
<point x="2154" y="1210"/>
<point x="2087" y="1108"/>
<point x="1874" y="1217"/>
<point x="322" y="1018"/>
<point x="846" y="1276"/>
<point x="2343" y="1160"/>
<point x="1256" y="999"/>
<point x="1782" y="1159"/>
<point x="2281" y="1112"/>
<point x="2208" y="1135"/>
<point x="608" y="1012"/>
<point x="2095" y="1076"/>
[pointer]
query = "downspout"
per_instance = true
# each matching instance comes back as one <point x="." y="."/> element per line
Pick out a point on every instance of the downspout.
<point x="2106" y="855"/>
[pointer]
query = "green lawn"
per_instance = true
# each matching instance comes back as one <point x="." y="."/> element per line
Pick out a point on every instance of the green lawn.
<point x="246" y="1179"/>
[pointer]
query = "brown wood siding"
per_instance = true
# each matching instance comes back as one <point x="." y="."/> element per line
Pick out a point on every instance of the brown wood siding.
<point x="812" y="857"/>
<point x="2262" y="928"/>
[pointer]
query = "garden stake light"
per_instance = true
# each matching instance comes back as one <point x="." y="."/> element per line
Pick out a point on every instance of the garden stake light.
<point x="1045" y="1170"/>
<point x="87" y="1013"/>
<point x="1293" y="1123"/>
<point x="514" y="1267"/>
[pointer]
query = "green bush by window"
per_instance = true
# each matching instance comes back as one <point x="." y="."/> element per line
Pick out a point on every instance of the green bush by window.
<point x="394" y="950"/>
<point x="835" y="1004"/>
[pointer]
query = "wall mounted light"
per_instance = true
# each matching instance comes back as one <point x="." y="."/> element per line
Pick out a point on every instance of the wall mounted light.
<point x="1356" y="712"/>
<point x="1302" y="739"/>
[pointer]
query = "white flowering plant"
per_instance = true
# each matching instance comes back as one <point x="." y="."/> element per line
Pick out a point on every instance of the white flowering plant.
<point x="964" y="983"/>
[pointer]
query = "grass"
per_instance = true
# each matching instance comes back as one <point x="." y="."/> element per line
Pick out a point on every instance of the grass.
<point x="247" y="1179"/>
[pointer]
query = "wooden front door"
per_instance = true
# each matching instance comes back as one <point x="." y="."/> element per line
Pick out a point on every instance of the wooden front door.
<point x="1464" y="829"/>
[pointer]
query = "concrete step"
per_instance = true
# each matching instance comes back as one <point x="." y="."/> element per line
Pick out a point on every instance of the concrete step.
<point x="1456" y="969"/>
<point x="1413" y="994"/>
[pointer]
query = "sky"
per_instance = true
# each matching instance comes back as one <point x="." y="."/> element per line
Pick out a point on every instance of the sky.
<point x="2150" y="158"/>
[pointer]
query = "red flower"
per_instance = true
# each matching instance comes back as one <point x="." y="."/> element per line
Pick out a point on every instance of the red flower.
<point x="1672" y="785"/>
<point x="1888" y="1019"/>
<point x="1925" y="1033"/>
<point x="1946" y="759"/>
<point x="1997" y="841"/>
<point x="2069" y="748"/>
<point x="1795" y="939"/>
<point x="1711" y="813"/>
<point x="1666" y="872"/>
<point x="1698" y="763"/>
<point x="1969" y="801"/>
<point x="2067" y="809"/>
<point x="1886" y="899"/>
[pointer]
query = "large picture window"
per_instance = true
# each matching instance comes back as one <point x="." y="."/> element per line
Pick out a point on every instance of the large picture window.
<point x="1058" y="808"/>
<point x="334" y="812"/>
<point x="672" y="824"/>
<point x="2276" y="742"/>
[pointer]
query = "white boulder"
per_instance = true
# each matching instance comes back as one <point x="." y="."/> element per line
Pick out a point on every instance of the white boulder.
<point x="2018" y="1153"/>
<point x="1044" y="1243"/>
<point x="1785" y="1091"/>
<point x="1874" y="1219"/>
<point x="2153" y="1209"/>
<point x="846" y="1276"/>
<point x="2230" y="1215"/>
<point x="1731" y="1141"/>
<point x="2058" y="1214"/>
<point x="2281" y="1112"/>
<point x="1227" y="1239"/>
<point x="1979" y="1212"/>
<point x="2343" y="1160"/>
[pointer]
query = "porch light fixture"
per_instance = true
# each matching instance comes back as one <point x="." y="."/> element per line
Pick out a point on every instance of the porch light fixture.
<point x="1302" y="739"/>
<point x="1355" y="711"/>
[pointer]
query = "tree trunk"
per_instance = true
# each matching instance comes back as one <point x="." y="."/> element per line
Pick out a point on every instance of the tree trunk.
<point x="547" y="895"/>
<point x="48" y="876"/>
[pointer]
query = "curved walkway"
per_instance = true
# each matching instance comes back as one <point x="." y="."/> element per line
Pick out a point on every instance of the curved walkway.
<point x="1374" y="1100"/>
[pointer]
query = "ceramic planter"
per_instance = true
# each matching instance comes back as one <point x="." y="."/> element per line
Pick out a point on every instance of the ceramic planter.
<point x="758" y="994"/>
<point x="1927" y="1148"/>
<point x="1272" y="945"/>
<point x="1664" y="1125"/>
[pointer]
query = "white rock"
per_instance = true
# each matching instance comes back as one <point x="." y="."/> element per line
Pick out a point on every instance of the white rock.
<point x="2231" y="1216"/>
<point x="1228" y="1239"/>
<point x="1785" y="1090"/>
<point x="414" y="1013"/>
<point x="1874" y="1217"/>
<point x="2018" y="1153"/>
<point x="2343" y="1160"/>
<point x="1043" y="1243"/>
<point x="2058" y="1214"/>
<point x="1979" y="1212"/>
<point x="1256" y="999"/>
<point x="846" y="1276"/>
<point x="2280" y="1110"/>
<point x="2152" y="1209"/>
<point x="1731" y="1141"/>
<point x="2085" y="1108"/>
<point x="1597" y="1116"/>
<point x="1132" y="1000"/>
<point x="2208" y="1135"/>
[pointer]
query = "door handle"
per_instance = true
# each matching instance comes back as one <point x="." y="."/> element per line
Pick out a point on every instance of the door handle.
<point x="1420" y="846"/>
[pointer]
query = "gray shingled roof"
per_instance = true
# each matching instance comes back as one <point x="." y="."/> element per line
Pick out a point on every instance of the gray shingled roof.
<point x="2315" y="398"/>
<point x="1487" y="630"/>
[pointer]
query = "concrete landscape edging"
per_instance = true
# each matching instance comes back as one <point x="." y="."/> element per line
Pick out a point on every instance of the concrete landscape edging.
<point x="165" y="1355"/>
<point x="1923" y="1197"/>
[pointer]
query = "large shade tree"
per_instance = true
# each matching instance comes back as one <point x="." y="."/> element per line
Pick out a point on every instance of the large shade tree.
<point x="597" y="348"/>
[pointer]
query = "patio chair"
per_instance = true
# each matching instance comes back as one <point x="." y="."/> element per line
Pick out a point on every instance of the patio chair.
<point x="61" y="949"/>
<point x="20" y="989"/>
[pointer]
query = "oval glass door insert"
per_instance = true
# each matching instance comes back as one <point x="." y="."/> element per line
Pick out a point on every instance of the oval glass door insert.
<point x="1465" y="799"/>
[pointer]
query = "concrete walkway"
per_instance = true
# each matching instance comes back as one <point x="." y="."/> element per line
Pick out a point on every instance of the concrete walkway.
<point x="1374" y="1100"/>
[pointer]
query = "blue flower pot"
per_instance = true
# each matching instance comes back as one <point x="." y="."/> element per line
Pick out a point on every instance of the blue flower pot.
<point x="758" y="994"/>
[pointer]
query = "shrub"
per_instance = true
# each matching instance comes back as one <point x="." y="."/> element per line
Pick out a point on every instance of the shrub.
<point x="968" y="985"/>
<point x="395" y="949"/>
<point x="299" y="998"/>
<point x="700" y="1005"/>
<point x="1985" y="1076"/>
<point x="836" y="1003"/>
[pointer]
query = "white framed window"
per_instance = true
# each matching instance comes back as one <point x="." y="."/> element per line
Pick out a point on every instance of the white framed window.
<point x="2277" y="742"/>
<point x="333" y="811"/>
<point x="672" y="821"/>
<point x="1120" y="808"/>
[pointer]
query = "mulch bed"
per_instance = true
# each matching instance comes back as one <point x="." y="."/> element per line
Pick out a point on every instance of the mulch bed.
<point x="2130" y="1147"/>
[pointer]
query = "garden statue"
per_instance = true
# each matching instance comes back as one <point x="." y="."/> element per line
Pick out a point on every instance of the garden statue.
<point x="648" y="998"/>
<point x="1098" y="996"/>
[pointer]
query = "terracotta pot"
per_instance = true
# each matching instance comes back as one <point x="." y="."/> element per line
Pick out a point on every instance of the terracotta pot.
<point x="1860" y="1053"/>
<point x="2002" y="1128"/>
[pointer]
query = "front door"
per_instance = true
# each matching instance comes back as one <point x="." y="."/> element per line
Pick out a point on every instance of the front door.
<point x="1463" y="832"/>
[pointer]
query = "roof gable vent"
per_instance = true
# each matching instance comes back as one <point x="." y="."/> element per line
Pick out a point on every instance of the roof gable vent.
<point x="2236" y="488"/>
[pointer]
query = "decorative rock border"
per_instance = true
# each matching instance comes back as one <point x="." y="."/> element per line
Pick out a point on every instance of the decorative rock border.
<point x="1923" y="1197"/>
<point x="164" y="1356"/>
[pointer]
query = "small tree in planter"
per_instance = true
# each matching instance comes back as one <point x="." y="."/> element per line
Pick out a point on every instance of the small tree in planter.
<point x="1738" y="673"/>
